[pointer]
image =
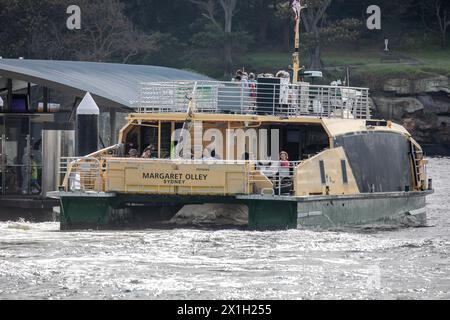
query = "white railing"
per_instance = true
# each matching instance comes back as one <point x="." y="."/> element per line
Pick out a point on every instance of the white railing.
<point x="281" y="174"/>
<point x="81" y="174"/>
<point x="268" y="96"/>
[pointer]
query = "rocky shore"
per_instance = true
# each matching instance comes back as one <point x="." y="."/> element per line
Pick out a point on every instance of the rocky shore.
<point x="421" y="105"/>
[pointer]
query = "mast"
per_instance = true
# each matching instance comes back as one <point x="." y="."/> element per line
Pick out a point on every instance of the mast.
<point x="297" y="7"/>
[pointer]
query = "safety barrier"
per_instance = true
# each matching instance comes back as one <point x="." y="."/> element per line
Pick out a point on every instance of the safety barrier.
<point x="280" y="98"/>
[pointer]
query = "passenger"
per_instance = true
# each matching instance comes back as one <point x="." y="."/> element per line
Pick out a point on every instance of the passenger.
<point x="149" y="152"/>
<point x="283" y="74"/>
<point x="245" y="78"/>
<point x="166" y="155"/>
<point x="35" y="187"/>
<point x="251" y="93"/>
<point x="24" y="171"/>
<point x="284" y="160"/>
<point x="130" y="145"/>
<point x="238" y="76"/>
<point x="146" y="154"/>
<point x="133" y="153"/>
<point x="252" y="84"/>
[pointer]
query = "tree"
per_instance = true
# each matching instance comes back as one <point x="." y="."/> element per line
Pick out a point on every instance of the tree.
<point x="36" y="29"/>
<point x="320" y="31"/>
<point x="107" y="34"/>
<point x="313" y="18"/>
<point x="284" y="13"/>
<point x="436" y="18"/>
<point x="209" y="11"/>
<point x="28" y="28"/>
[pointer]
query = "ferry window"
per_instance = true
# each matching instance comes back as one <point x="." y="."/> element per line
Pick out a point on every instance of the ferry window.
<point x="293" y="136"/>
<point x="322" y="172"/>
<point x="344" y="171"/>
<point x="149" y="137"/>
<point x="303" y="141"/>
<point x="132" y="140"/>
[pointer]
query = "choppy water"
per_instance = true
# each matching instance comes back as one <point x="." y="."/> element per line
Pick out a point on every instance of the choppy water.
<point x="39" y="262"/>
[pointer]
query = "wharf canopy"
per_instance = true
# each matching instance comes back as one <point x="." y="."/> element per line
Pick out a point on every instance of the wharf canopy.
<point x="37" y="115"/>
<point x="114" y="85"/>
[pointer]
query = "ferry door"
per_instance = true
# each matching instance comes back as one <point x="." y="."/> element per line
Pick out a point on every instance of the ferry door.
<point x="16" y="155"/>
<point x="2" y="157"/>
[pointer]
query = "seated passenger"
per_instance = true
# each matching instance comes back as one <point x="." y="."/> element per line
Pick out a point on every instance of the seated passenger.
<point x="149" y="152"/>
<point x="133" y="153"/>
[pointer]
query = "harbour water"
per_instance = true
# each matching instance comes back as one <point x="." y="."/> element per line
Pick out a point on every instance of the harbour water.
<point x="37" y="261"/>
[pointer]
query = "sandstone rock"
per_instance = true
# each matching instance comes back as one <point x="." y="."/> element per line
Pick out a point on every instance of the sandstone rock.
<point x="403" y="86"/>
<point x="396" y="108"/>
<point x="444" y="121"/>
<point x="438" y="105"/>
<point x="431" y="131"/>
<point x="399" y="86"/>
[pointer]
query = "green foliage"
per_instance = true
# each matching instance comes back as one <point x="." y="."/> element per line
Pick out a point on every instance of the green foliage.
<point x="213" y="38"/>
<point x="176" y="33"/>
<point x="206" y="52"/>
<point x="342" y="31"/>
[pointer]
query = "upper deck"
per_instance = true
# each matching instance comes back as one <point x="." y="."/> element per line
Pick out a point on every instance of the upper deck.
<point x="265" y="97"/>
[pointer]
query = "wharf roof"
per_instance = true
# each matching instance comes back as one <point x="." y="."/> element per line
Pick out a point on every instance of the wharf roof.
<point x="110" y="84"/>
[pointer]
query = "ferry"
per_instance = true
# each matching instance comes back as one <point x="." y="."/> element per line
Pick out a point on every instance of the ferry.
<point x="213" y="142"/>
<point x="287" y="153"/>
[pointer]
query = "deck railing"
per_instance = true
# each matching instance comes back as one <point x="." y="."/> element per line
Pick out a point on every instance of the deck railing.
<point x="81" y="174"/>
<point x="257" y="98"/>
<point x="281" y="175"/>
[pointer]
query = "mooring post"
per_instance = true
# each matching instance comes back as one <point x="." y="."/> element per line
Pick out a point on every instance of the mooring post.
<point x="87" y="127"/>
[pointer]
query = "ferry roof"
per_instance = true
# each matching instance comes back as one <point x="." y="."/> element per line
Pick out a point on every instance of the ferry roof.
<point x="113" y="85"/>
<point x="218" y="117"/>
<point x="339" y="127"/>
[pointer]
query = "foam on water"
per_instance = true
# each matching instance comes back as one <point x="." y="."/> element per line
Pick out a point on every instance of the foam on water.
<point x="38" y="261"/>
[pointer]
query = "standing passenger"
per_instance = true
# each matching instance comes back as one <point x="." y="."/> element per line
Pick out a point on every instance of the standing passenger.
<point x="284" y="160"/>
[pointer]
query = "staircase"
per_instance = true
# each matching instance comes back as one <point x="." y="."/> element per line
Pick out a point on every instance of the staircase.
<point x="417" y="157"/>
